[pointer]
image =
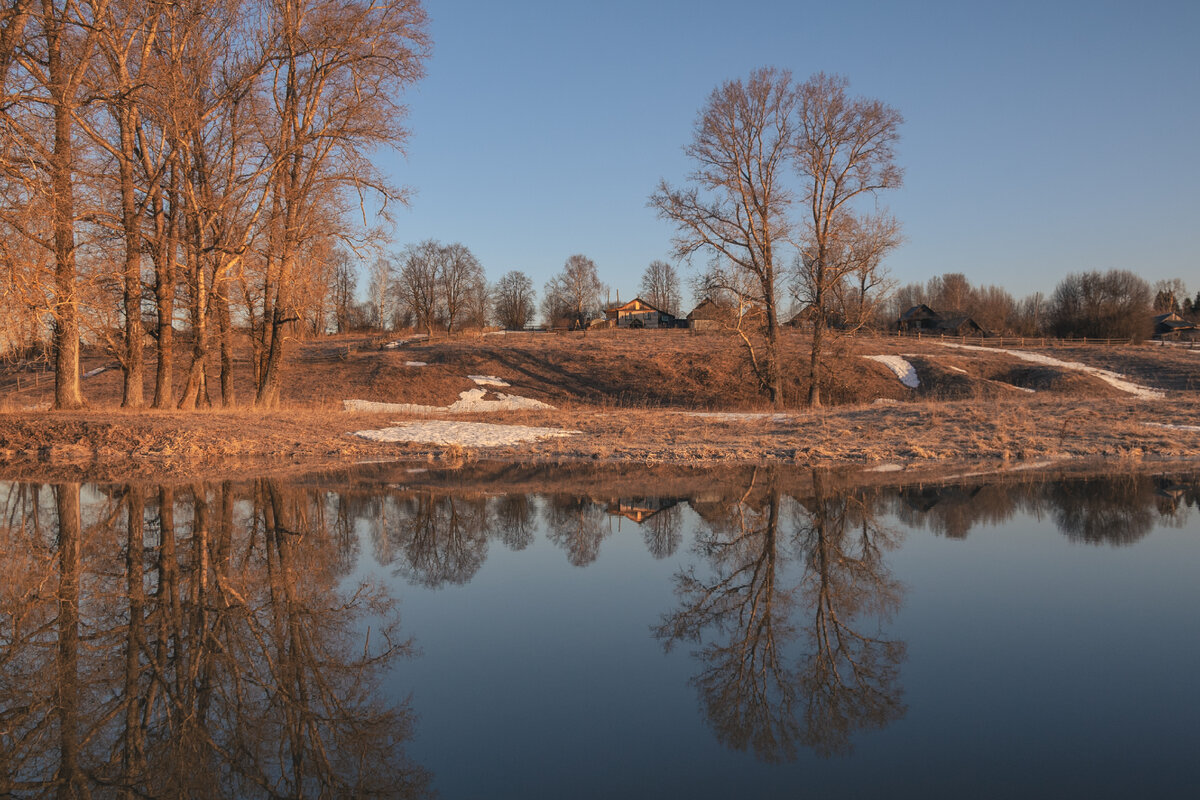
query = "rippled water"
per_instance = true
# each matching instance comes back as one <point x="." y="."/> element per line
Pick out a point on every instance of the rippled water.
<point x="514" y="632"/>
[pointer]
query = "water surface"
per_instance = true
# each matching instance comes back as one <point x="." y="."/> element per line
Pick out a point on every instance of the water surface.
<point x="508" y="632"/>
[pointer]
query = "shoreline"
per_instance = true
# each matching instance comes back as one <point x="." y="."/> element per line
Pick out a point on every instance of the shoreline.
<point x="883" y="439"/>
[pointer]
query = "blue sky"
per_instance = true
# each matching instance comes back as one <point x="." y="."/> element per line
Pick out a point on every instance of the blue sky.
<point x="1040" y="138"/>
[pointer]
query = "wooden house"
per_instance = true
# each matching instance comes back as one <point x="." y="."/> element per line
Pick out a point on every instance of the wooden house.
<point x="922" y="318"/>
<point x="710" y="315"/>
<point x="918" y="318"/>
<point x="637" y="313"/>
<point x="1171" y="326"/>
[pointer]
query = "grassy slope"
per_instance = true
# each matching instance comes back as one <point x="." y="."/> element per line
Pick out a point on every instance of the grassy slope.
<point x="630" y="393"/>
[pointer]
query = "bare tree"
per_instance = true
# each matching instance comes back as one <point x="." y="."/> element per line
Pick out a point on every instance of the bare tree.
<point x="844" y="153"/>
<point x="343" y="284"/>
<point x="335" y="74"/>
<point x="513" y="300"/>
<point x="125" y="40"/>
<point x="381" y="290"/>
<point x="460" y="277"/>
<point x="49" y="51"/>
<point x="735" y="209"/>
<point x="852" y="301"/>
<point x="573" y="295"/>
<point x="1113" y="304"/>
<point x="660" y="287"/>
<point x="417" y="282"/>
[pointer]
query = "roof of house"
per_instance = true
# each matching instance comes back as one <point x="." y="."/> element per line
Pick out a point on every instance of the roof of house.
<point x="636" y="304"/>
<point x="709" y="309"/>
<point x="919" y="311"/>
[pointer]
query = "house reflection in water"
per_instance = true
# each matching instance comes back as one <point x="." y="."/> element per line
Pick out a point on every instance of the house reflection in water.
<point x="660" y="518"/>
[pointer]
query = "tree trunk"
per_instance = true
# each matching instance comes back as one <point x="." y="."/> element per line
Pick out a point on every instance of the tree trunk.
<point x="133" y="390"/>
<point x="195" y="390"/>
<point x="70" y="778"/>
<point x="818" y="332"/>
<point x="164" y="295"/>
<point x="225" y="331"/>
<point x="133" y="756"/>
<point x="774" y="381"/>
<point x="67" y="391"/>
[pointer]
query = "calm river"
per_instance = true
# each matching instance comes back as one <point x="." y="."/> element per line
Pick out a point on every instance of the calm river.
<point x="495" y="632"/>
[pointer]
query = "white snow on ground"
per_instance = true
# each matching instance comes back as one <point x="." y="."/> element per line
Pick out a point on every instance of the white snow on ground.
<point x="1173" y="426"/>
<point x="1014" y="468"/>
<point x="887" y="468"/>
<point x="730" y="416"/>
<point x="489" y="380"/>
<point x="1108" y="376"/>
<point x="469" y="402"/>
<point x="402" y="342"/>
<point x="91" y="373"/>
<point x="904" y="370"/>
<point x="415" y="364"/>
<point x="467" y="434"/>
<point x="957" y="369"/>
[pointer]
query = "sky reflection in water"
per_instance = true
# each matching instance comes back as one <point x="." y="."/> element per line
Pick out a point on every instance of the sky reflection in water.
<point x="509" y="633"/>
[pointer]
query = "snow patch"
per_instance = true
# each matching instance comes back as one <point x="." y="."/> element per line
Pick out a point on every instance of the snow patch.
<point x="1173" y="426"/>
<point x="887" y="468"/>
<point x="730" y="416"/>
<point x="467" y="434"/>
<point x="903" y="370"/>
<point x="415" y="364"/>
<point x="401" y="342"/>
<point x="91" y="373"/>
<point x="489" y="380"/>
<point x="470" y="402"/>
<point x="957" y="369"/>
<point x="1114" y="379"/>
<point x="1013" y="386"/>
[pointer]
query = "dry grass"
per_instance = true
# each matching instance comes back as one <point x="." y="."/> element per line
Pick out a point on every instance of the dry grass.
<point x="632" y="394"/>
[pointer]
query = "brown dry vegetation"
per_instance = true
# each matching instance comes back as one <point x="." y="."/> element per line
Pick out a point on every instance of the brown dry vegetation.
<point x="632" y="395"/>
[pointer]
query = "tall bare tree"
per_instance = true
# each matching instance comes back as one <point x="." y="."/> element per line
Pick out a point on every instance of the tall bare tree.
<point x="125" y="40"/>
<point x="333" y="86"/>
<point x="660" y="287"/>
<point x="844" y="153"/>
<point x="460" y="278"/>
<point x="735" y="208"/>
<point x="48" y="51"/>
<point x="417" y="282"/>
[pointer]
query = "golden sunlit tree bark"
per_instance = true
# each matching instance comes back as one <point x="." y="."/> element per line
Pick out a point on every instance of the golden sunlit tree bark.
<point x="332" y="87"/>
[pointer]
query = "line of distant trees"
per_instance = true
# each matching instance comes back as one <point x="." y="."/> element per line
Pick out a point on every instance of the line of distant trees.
<point x="433" y="286"/>
<point x="1116" y="304"/>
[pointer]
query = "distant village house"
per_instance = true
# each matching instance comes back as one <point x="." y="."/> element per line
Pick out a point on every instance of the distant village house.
<point x="1172" y="327"/>
<point x="709" y="315"/>
<point x="637" y="313"/>
<point x="923" y="319"/>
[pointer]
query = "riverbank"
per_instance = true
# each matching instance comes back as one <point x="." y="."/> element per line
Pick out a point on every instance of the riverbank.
<point x="885" y="436"/>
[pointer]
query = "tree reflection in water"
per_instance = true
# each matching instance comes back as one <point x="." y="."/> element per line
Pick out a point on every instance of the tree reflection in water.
<point x="191" y="642"/>
<point x="749" y="612"/>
